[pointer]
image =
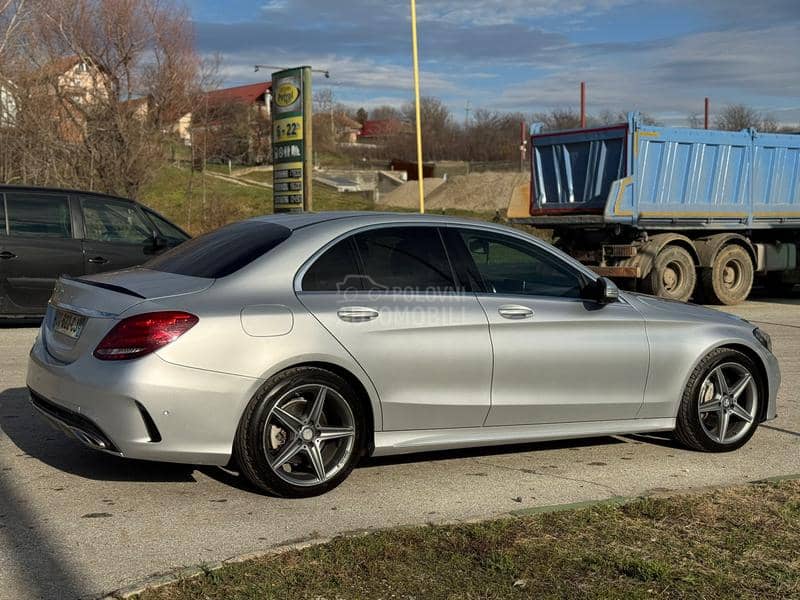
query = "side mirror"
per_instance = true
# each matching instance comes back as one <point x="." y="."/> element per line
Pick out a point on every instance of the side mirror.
<point x="606" y="291"/>
<point x="155" y="244"/>
<point x="479" y="247"/>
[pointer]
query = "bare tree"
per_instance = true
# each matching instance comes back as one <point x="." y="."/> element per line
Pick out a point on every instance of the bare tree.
<point x="100" y="88"/>
<point x="440" y="131"/>
<point x="558" y="119"/>
<point x="384" y="113"/>
<point x="736" y="117"/>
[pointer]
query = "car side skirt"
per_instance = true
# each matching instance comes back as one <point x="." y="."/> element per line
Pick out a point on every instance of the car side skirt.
<point x="388" y="443"/>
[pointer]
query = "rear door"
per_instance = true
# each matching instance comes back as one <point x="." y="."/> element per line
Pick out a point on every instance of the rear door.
<point x="557" y="357"/>
<point x="389" y="295"/>
<point x="116" y="234"/>
<point x="38" y="249"/>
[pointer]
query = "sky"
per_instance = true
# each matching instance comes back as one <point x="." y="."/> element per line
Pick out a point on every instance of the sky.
<point x="658" y="56"/>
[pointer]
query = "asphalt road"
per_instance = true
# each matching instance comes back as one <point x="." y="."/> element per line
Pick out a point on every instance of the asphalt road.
<point x="76" y="523"/>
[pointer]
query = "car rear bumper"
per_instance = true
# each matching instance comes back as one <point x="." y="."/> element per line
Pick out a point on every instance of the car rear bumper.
<point x="145" y="408"/>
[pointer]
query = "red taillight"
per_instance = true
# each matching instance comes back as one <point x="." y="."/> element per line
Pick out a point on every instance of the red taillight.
<point x="143" y="334"/>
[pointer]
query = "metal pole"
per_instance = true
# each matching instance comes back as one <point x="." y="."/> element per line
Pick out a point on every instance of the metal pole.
<point x="706" y="113"/>
<point x="583" y="105"/>
<point x="415" y="52"/>
<point x="308" y="140"/>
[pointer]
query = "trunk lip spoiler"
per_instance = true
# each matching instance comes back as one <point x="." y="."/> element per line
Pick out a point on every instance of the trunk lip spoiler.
<point x="106" y="286"/>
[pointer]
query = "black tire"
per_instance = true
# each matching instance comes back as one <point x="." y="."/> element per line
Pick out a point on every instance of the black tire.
<point x="251" y="442"/>
<point x="673" y="275"/>
<point x="689" y="430"/>
<point x="730" y="278"/>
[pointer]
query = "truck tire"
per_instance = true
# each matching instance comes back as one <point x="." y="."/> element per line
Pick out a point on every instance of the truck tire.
<point x="673" y="275"/>
<point x="730" y="278"/>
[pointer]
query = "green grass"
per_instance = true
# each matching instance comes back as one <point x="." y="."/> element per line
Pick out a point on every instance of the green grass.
<point x="200" y="202"/>
<point x="737" y="543"/>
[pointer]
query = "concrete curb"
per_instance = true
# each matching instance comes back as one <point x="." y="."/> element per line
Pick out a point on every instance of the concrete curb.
<point x="162" y="579"/>
<point x="181" y="574"/>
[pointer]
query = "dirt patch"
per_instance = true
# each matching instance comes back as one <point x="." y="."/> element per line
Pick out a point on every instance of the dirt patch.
<point x="407" y="195"/>
<point x="477" y="192"/>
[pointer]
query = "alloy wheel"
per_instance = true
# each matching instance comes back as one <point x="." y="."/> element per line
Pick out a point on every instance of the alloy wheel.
<point x="728" y="403"/>
<point x="309" y="435"/>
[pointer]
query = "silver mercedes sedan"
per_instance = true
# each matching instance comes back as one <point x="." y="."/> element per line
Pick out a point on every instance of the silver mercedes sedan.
<point x="293" y="345"/>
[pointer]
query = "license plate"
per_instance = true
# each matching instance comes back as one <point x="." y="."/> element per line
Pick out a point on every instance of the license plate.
<point x="69" y="324"/>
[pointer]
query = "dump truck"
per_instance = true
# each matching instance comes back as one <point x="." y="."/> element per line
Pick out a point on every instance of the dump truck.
<point x="674" y="212"/>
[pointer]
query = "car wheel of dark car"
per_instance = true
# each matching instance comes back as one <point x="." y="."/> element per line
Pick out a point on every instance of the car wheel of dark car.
<point x="720" y="406"/>
<point x="302" y="434"/>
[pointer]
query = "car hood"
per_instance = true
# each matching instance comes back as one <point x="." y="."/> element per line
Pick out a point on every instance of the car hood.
<point x="661" y="309"/>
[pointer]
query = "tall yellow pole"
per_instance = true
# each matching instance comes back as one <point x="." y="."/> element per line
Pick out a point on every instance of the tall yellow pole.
<point x="415" y="52"/>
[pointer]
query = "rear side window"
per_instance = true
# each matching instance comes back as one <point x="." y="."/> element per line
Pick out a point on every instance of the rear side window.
<point x="38" y="215"/>
<point x="114" y="221"/>
<point x="221" y="252"/>
<point x="404" y="259"/>
<point x="335" y="271"/>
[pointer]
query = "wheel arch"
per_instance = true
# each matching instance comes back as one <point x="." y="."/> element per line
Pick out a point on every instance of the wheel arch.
<point x="373" y="413"/>
<point x="646" y="256"/>
<point x="763" y="375"/>
<point x="709" y="247"/>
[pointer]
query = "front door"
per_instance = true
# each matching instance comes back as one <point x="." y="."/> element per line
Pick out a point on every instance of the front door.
<point x="557" y="357"/>
<point x="116" y="234"/>
<point x="389" y="296"/>
<point x="38" y="249"/>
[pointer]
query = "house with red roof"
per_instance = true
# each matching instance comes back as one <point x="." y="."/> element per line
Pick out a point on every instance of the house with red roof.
<point x="254" y="95"/>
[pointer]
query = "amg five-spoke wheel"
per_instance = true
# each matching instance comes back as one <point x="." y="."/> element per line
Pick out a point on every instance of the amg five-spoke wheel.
<point x="302" y="434"/>
<point x="719" y="409"/>
<point x="728" y="402"/>
<point x="310" y="434"/>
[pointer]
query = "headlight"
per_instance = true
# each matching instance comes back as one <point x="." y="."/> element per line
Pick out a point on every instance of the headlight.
<point x="763" y="338"/>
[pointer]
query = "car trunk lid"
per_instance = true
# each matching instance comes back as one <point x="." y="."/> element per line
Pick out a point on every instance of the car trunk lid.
<point x="82" y="310"/>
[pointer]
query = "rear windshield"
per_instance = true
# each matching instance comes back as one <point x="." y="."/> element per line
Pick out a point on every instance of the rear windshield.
<point x="221" y="252"/>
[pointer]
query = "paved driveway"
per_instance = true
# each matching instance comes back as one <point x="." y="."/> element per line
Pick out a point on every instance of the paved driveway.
<point x="77" y="523"/>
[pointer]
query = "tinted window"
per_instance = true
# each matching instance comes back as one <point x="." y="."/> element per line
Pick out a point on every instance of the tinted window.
<point x="221" y="252"/>
<point x="167" y="230"/>
<point x="114" y="221"/>
<point x="38" y="215"/>
<point x="509" y="266"/>
<point x="2" y="215"/>
<point x="335" y="271"/>
<point x="404" y="259"/>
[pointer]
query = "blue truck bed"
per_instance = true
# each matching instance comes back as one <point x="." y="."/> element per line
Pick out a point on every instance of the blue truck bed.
<point x="665" y="177"/>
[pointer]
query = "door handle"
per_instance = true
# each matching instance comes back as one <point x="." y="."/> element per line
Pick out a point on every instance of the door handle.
<point x="98" y="260"/>
<point x="515" y="311"/>
<point x="357" y="314"/>
<point x="6" y="255"/>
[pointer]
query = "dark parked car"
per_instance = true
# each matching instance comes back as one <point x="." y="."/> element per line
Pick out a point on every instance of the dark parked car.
<point x="45" y="233"/>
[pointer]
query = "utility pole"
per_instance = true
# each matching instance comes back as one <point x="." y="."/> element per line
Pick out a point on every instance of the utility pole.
<point x="466" y="114"/>
<point x="415" y="53"/>
<point x="705" y="120"/>
<point x="583" y="105"/>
